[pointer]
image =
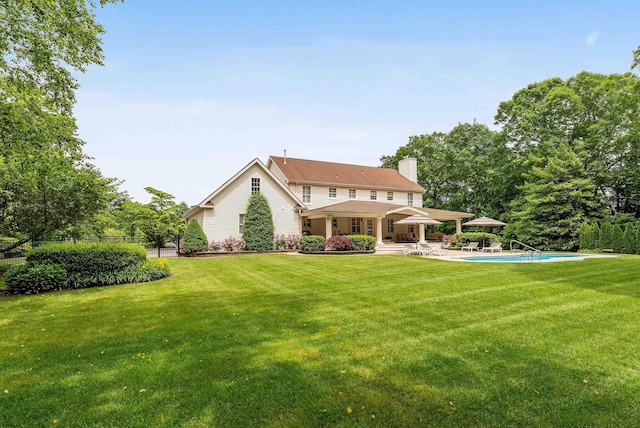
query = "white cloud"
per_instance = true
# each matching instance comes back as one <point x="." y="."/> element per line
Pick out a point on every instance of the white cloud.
<point x="592" y="37"/>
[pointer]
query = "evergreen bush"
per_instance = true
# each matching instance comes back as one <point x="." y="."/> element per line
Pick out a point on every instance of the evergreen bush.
<point x="595" y="235"/>
<point x="195" y="239"/>
<point x="257" y="231"/>
<point x="585" y="237"/>
<point x="606" y="235"/>
<point x="616" y="239"/>
<point x="337" y="243"/>
<point x="628" y="240"/>
<point x="362" y="242"/>
<point x="311" y="243"/>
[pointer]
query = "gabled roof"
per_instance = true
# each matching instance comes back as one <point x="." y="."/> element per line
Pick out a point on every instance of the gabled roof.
<point x="305" y="171"/>
<point x="207" y="203"/>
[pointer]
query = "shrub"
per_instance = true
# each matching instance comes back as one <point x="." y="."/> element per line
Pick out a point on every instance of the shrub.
<point x="233" y="244"/>
<point x="594" y="240"/>
<point x="216" y="245"/>
<point x="194" y="238"/>
<point x="638" y="238"/>
<point x="89" y="259"/>
<point x="337" y="243"/>
<point x="616" y="235"/>
<point x="286" y="242"/>
<point x="170" y="245"/>
<point x="460" y="239"/>
<point x="257" y="230"/>
<point x="34" y="279"/>
<point x="628" y="240"/>
<point x="362" y="242"/>
<point x="606" y="235"/>
<point x="311" y="244"/>
<point x="585" y="237"/>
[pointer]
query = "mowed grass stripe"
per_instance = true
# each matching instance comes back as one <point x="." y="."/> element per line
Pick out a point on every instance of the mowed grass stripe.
<point x="284" y="340"/>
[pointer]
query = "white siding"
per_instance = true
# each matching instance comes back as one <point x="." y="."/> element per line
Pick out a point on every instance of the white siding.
<point x="320" y="195"/>
<point x="222" y="221"/>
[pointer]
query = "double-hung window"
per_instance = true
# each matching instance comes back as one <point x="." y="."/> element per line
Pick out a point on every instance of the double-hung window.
<point x="240" y="223"/>
<point x="333" y="192"/>
<point x="410" y="199"/>
<point x="373" y="195"/>
<point x="306" y="194"/>
<point x="352" y="193"/>
<point x="389" y="196"/>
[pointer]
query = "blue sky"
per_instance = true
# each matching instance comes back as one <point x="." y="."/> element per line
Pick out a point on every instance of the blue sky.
<point x="192" y="91"/>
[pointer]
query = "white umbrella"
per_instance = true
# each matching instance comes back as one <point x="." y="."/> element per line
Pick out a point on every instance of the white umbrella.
<point x="417" y="219"/>
<point x="484" y="221"/>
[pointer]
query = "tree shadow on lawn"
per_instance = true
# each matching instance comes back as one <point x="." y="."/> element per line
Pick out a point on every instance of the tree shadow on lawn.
<point x="279" y="368"/>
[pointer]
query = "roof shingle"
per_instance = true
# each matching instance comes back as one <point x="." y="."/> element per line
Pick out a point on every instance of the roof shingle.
<point x="344" y="175"/>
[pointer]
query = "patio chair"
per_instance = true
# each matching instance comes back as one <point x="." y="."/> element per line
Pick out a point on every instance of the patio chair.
<point x="472" y="246"/>
<point x="434" y="250"/>
<point x="496" y="246"/>
<point x="410" y="249"/>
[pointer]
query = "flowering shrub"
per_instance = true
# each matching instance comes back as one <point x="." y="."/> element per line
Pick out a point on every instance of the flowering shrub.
<point x="286" y="242"/>
<point x="337" y="243"/>
<point x="229" y="244"/>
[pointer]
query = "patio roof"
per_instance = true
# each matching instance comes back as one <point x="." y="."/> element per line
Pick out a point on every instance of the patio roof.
<point x="379" y="209"/>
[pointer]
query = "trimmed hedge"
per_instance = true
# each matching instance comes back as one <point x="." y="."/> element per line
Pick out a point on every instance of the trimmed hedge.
<point x="59" y="266"/>
<point x="362" y="242"/>
<point x="460" y="239"/>
<point x="312" y="243"/>
<point x="90" y="258"/>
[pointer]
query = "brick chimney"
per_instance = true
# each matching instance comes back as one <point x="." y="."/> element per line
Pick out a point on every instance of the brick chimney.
<point x="408" y="168"/>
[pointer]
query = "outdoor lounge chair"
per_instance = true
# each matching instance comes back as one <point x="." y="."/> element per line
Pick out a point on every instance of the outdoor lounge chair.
<point x="410" y="249"/>
<point x="472" y="246"/>
<point x="496" y="246"/>
<point x="434" y="250"/>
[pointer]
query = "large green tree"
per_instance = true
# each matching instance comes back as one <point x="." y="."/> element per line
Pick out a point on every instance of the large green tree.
<point x="161" y="218"/>
<point x="46" y="182"/>
<point x="43" y="42"/>
<point x="597" y="115"/>
<point x="457" y="169"/>
<point x="555" y="200"/>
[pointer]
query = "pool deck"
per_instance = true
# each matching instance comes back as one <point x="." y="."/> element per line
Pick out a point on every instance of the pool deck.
<point x="460" y="255"/>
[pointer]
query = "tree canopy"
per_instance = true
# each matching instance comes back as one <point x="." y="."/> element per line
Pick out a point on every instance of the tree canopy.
<point x="46" y="182"/>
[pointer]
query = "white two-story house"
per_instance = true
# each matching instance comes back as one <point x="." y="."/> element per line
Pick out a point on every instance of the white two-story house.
<point x="322" y="198"/>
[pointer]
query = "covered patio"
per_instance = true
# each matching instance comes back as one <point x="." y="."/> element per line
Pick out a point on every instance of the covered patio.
<point x="374" y="219"/>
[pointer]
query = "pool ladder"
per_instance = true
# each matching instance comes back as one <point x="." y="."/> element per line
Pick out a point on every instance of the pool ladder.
<point x="530" y="254"/>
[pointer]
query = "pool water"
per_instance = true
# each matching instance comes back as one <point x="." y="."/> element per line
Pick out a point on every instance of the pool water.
<point x="522" y="258"/>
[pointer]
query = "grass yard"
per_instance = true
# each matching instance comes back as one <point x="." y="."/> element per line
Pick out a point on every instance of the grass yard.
<point x="280" y="340"/>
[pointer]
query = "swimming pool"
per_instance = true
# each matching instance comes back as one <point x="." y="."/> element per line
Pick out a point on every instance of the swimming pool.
<point x="519" y="258"/>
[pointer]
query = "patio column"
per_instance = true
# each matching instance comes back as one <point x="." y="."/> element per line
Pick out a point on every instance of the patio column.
<point x="421" y="233"/>
<point x="379" y="231"/>
<point x="327" y="227"/>
<point x="458" y="225"/>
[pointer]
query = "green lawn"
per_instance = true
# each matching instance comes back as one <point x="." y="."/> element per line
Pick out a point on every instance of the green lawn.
<point x="280" y="340"/>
